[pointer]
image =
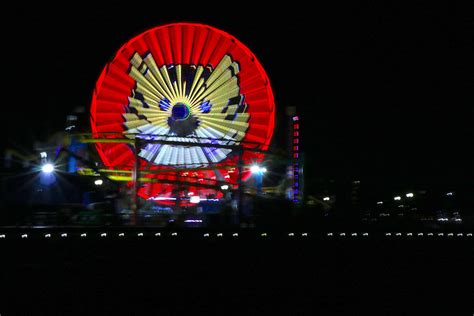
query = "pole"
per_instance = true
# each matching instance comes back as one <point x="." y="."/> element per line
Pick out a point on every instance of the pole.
<point x="135" y="179"/>
<point x="259" y="180"/>
<point x="240" y="164"/>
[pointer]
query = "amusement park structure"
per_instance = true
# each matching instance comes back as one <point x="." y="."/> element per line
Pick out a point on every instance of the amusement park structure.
<point x="184" y="104"/>
<point x="183" y="113"/>
<point x="175" y="175"/>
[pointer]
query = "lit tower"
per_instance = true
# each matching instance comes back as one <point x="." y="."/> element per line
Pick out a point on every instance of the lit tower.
<point x="296" y="166"/>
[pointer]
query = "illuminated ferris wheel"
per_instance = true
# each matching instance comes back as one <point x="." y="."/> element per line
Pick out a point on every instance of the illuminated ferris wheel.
<point x="190" y="93"/>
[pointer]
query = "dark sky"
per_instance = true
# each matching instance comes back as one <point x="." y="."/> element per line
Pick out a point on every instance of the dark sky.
<point x="383" y="92"/>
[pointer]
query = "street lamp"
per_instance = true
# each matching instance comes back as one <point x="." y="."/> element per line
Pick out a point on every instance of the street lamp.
<point x="255" y="169"/>
<point x="409" y="195"/>
<point x="47" y="168"/>
<point x="397" y="198"/>
<point x="46" y="176"/>
<point x="98" y="182"/>
<point x="258" y="172"/>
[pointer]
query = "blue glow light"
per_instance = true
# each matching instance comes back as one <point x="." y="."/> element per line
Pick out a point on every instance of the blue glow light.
<point x="205" y="107"/>
<point x="164" y="104"/>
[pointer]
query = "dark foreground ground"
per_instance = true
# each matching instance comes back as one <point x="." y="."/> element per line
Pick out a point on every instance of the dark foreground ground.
<point x="247" y="276"/>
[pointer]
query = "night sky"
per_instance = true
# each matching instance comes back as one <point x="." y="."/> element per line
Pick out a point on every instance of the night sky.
<point x="384" y="92"/>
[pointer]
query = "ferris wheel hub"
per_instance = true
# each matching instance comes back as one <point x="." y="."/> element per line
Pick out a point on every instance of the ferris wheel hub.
<point x="180" y="112"/>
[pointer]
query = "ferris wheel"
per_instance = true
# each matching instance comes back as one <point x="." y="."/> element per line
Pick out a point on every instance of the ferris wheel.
<point x="191" y="93"/>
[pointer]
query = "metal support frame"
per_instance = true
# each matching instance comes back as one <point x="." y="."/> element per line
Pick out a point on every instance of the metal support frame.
<point x="240" y="163"/>
<point x="136" y="141"/>
<point x="136" y="182"/>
